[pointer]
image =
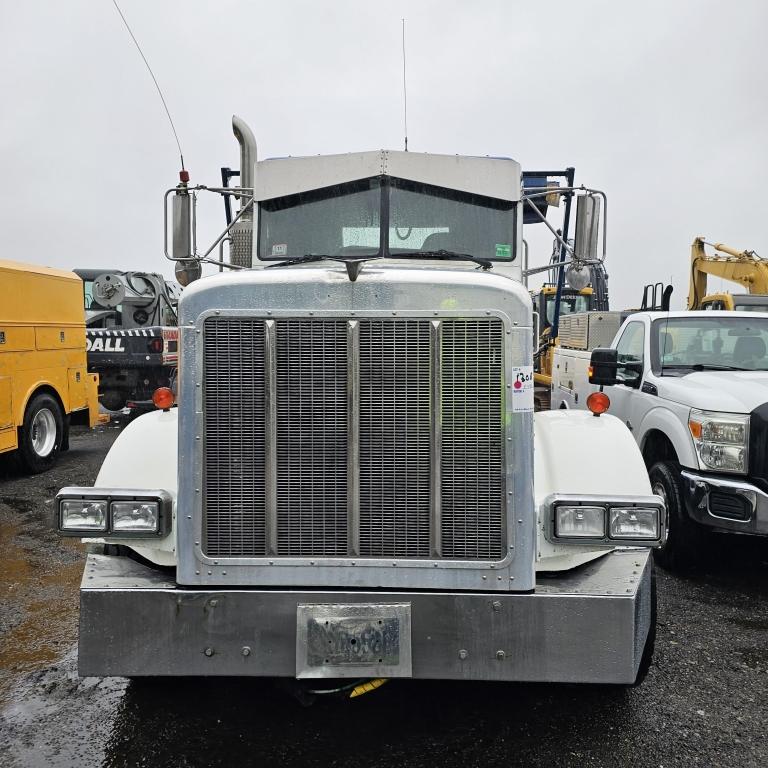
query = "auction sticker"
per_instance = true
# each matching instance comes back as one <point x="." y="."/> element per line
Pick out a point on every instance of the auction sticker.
<point x="280" y="249"/>
<point x="522" y="388"/>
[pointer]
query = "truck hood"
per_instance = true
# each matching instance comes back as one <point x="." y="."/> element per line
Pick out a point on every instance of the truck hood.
<point x="728" y="391"/>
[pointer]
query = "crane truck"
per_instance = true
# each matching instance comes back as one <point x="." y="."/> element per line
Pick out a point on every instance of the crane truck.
<point x="131" y="334"/>
<point x="353" y="483"/>
<point x="743" y="267"/>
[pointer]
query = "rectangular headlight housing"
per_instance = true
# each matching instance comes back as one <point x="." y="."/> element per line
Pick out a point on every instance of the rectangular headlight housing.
<point x="634" y="523"/>
<point x="721" y="440"/>
<point x="593" y="520"/>
<point x="115" y="513"/>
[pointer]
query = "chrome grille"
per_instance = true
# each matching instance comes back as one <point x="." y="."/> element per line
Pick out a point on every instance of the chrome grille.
<point x="311" y="437"/>
<point x="395" y="427"/>
<point x="366" y="438"/>
<point x="233" y="464"/>
<point x="471" y="466"/>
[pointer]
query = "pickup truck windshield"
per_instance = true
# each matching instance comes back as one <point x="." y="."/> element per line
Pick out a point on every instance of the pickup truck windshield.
<point x="710" y="343"/>
<point x="385" y="217"/>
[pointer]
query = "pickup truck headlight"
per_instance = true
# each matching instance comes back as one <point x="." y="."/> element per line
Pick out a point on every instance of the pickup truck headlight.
<point x="721" y="440"/>
<point x="113" y="512"/>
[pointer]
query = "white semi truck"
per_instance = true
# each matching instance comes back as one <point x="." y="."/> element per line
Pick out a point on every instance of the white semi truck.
<point x="693" y="390"/>
<point x="353" y="484"/>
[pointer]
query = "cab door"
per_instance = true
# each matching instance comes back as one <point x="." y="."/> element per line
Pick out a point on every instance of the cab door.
<point x="628" y="402"/>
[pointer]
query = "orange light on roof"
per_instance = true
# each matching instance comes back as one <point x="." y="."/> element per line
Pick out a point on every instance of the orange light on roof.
<point x="163" y="398"/>
<point x="695" y="428"/>
<point x="598" y="402"/>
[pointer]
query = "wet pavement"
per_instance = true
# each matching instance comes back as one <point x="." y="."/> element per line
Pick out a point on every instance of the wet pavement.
<point x="703" y="704"/>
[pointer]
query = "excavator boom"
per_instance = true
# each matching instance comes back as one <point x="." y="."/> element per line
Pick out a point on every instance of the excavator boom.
<point x="745" y="268"/>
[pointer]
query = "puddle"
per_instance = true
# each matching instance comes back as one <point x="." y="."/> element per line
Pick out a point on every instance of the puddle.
<point x="39" y="607"/>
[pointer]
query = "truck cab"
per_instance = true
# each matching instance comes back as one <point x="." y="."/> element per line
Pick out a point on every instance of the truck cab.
<point x="692" y="387"/>
<point x="353" y="484"/>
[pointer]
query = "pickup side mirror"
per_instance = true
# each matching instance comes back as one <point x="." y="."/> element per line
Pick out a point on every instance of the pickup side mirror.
<point x="602" y="367"/>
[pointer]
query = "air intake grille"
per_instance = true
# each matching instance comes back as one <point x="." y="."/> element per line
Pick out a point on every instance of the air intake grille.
<point x="370" y="438"/>
<point x="471" y="439"/>
<point x="395" y="428"/>
<point x="311" y="437"/>
<point x="233" y="403"/>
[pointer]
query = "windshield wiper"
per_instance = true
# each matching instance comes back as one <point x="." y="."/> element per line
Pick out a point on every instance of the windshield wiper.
<point x="443" y="254"/>
<point x="717" y="367"/>
<point x="305" y="259"/>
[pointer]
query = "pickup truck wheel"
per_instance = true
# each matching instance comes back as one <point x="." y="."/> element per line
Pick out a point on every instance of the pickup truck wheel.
<point x="41" y="435"/>
<point x="685" y="538"/>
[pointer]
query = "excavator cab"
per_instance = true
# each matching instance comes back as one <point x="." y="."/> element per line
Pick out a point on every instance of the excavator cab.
<point x="570" y="301"/>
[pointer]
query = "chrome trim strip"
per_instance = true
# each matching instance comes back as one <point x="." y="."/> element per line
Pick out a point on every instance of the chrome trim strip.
<point x="353" y="437"/>
<point x="270" y="447"/>
<point x="436" y="442"/>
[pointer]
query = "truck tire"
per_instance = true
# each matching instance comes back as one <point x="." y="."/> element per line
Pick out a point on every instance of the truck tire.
<point x="41" y="436"/>
<point x="685" y="538"/>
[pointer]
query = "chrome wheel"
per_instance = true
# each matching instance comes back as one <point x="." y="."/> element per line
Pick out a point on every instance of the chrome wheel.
<point x="43" y="432"/>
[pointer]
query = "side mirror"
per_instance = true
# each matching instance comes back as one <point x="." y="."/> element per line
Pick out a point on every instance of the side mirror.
<point x="602" y="367"/>
<point x="587" y="227"/>
<point x="635" y="369"/>
<point x="181" y="226"/>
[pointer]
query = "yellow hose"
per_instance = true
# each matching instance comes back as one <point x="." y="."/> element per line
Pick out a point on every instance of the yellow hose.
<point x="371" y="685"/>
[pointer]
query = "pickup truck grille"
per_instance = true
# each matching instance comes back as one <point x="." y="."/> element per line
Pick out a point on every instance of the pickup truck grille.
<point x="368" y="438"/>
<point x="758" y="446"/>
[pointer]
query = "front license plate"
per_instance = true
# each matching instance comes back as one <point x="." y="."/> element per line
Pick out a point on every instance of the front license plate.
<point x="353" y="640"/>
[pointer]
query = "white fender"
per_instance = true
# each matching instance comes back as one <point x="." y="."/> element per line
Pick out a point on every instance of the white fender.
<point x="578" y="453"/>
<point x="664" y="420"/>
<point x="145" y="455"/>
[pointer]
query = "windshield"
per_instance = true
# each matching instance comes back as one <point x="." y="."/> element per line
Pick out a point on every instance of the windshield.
<point x="385" y="216"/>
<point x="569" y="304"/>
<point x="750" y="307"/>
<point x="723" y="342"/>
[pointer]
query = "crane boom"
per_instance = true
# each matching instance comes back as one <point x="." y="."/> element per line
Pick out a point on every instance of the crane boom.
<point x="745" y="268"/>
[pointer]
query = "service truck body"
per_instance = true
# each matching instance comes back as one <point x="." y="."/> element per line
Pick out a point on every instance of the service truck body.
<point x="354" y="483"/>
<point x="44" y="382"/>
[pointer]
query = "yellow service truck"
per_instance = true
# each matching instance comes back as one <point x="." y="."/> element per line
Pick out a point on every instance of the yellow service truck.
<point x="44" y="381"/>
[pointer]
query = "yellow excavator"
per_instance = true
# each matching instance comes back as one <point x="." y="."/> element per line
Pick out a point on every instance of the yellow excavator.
<point x="745" y="268"/>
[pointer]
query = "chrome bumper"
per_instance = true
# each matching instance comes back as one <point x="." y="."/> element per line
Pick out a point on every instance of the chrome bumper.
<point x="697" y="489"/>
<point x="589" y="626"/>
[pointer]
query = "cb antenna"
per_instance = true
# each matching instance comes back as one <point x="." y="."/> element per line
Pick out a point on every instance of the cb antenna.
<point x="405" y="95"/>
<point x="157" y="85"/>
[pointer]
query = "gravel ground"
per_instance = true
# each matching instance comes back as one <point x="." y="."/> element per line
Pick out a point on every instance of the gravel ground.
<point x="703" y="703"/>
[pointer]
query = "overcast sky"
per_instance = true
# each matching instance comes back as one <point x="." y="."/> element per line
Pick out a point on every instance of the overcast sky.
<point x="661" y="104"/>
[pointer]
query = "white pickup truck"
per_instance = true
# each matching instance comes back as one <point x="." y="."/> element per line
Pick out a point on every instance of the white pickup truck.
<point x="692" y="387"/>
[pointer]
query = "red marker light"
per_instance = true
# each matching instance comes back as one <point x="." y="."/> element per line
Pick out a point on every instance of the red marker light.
<point x="598" y="402"/>
<point x="163" y="398"/>
<point x="184" y="176"/>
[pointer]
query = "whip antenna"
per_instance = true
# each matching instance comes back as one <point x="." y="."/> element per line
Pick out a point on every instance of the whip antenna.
<point x="154" y="79"/>
<point x="405" y="95"/>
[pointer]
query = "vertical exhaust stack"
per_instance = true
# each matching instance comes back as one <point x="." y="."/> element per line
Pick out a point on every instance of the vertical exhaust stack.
<point x="241" y="247"/>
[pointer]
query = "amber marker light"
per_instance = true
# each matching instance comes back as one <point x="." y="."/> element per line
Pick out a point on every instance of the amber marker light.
<point x="598" y="402"/>
<point x="695" y="428"/>
<point x="163" y="398"/>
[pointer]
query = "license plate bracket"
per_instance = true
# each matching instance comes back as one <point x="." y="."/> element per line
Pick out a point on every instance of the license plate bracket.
<point x="353" y="640"/>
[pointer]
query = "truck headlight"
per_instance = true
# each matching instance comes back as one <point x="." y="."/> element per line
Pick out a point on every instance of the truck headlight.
<point x="633" y="523"/>
<point x="115" y="513"/>
<point x="579" y="522"/>
<point x="83" y="515"/>
<point x="721" y="440"/>
<point x="591" y="520"/>
<point x="135" y="516"/>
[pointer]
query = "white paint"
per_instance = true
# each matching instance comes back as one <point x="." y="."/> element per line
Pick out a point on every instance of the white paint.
<point x="578" y="453"/>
